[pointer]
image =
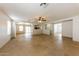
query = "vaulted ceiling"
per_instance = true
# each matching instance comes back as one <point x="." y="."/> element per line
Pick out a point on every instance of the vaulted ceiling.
<point x="28" y="11"/>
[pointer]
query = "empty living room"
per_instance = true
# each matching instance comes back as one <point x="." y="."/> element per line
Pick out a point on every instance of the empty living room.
<point x="39" y="29"/>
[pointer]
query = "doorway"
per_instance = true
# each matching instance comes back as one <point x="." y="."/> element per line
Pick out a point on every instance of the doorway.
<point x="58" y="28"/>
<point x="28" y="31"/>
<point x="58" y="34"/>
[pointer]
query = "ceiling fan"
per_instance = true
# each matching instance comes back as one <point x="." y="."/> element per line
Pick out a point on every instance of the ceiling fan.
<point x="42" y="18"/>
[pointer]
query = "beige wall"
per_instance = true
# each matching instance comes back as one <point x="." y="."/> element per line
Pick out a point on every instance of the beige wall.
<point x="67" y="29"/>
<point x="4" y="35"/>
<point x="13" y="29"/>
<point x="76" y="28"/>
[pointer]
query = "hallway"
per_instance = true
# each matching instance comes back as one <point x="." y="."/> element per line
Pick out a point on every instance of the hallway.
<point x="40" y="45"/>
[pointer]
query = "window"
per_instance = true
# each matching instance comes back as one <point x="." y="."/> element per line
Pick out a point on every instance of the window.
<point x="21" y="28"/>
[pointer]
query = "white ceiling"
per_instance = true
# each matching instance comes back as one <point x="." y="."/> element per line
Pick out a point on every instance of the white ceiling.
<point x="27" y="12"/>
